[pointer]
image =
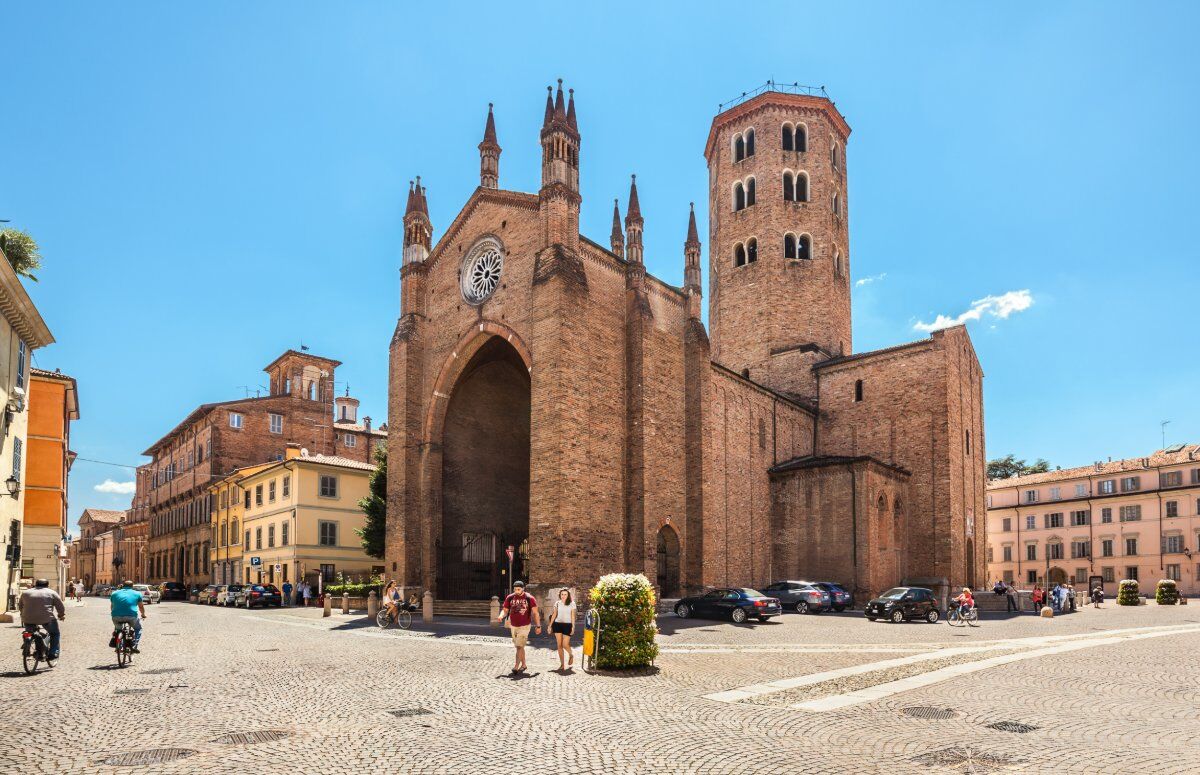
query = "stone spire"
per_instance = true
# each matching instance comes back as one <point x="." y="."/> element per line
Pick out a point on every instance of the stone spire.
<point x="558" y="198"/>
<point x="633" y="225"/>
<point x="571" y="112"/>
<point x="617" y="240"/>
<point x="489" y="154"/>
<point x="691" y="263"/>
<point x="418" y="232"/>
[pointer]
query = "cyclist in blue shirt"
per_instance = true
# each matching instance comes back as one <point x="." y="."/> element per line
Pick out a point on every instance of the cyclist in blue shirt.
<point x="127" y="603"/>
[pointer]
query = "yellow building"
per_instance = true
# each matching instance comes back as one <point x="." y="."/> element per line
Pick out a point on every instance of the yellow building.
<point x="228" y="512"/>
<point x="302" y="519"/>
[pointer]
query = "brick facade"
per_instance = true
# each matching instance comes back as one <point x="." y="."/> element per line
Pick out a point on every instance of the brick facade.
<point x="652" y="448"/>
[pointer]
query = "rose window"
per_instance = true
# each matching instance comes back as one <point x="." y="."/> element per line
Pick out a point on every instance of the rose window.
<point x="481" y="273"/>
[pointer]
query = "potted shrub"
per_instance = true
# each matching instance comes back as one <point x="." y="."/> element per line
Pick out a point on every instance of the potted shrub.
<point x="1127" y="592"/>
<point x="1167" y="592"/>
<point x="625" y="604"/>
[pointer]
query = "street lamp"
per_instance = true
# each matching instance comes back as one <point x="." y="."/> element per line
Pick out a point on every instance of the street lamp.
<point x="14" y="486"/>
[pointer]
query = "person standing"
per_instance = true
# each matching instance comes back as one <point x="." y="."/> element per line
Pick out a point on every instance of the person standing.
<point x="77" y="588"/>
<point x="521" y="611"/>
<point x="287" y="593"/>
<point x="562" y="624"/>
<point x="1010" y="599"/>
<point x="306" y="592"/>
<point x="1037" y="597"/>
<point x="38" y="606"/>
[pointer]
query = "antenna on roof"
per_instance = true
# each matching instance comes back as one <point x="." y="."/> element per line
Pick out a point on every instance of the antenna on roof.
<point x="1163" y="427"/>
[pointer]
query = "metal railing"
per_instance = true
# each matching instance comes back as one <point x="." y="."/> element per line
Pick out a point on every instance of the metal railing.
<point x="775" y="86"/>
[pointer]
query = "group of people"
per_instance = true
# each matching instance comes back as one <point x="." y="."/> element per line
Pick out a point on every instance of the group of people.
<point x="41" y="606"/>
<point x="304" y="593"/>
<point x="1061" y="597"/>
<point x="520" y="609"/>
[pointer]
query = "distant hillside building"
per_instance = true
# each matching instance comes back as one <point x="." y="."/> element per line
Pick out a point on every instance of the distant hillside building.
<point x="548" y="394"/>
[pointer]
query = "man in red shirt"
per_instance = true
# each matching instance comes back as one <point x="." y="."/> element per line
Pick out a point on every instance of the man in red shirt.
<point x="521" y="611"/>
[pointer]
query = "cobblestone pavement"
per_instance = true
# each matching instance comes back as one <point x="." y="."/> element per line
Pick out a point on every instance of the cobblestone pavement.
<point x="346" y="697"/>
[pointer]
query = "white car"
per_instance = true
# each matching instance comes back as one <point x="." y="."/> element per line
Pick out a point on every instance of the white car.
<point x="149" y="594"/>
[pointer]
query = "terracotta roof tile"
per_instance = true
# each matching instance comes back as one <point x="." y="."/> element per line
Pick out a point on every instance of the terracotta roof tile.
<point x="1184" y="453"/>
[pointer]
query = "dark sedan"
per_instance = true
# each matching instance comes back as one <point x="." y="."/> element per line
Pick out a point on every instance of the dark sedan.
<point x="842" y="599"/>
<point x="737" y="604"/>
<point x="172" y="590"/>
<point x="900" y="604"/>
<point x="261" y="594"/>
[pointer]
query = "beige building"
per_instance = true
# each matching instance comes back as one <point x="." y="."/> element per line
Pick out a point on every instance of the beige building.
<point x="1126" y="519"/>
<point x="300" y="520"/>
<point x="229" y="508"/>
<point x="105" y="549"/>
<point x="22" y="330"/>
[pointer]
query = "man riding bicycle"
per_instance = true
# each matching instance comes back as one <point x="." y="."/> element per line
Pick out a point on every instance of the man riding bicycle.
<point x="127" y="603"/>
<point x="38" y="607"/>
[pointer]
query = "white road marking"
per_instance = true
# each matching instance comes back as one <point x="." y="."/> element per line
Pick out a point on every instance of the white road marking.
<point x="873" y="693"/>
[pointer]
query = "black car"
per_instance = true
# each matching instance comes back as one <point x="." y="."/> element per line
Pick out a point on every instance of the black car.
<point x="803" y="596"/>
<point x="172" y="590"/>
<point x="842" y="599"/>
<point x="736" y="603"/>
<point x="903" y="603"/>
<point x="261" y="594"/>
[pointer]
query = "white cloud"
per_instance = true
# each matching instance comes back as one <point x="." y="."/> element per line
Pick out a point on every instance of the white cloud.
<point x="999" y="307"/>
<point x="116" y="488"/>
<point x="868" y="280"/>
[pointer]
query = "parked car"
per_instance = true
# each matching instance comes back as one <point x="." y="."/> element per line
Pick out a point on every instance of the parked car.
<point x="172" y="590"/>
<point x="903" y="603"/>
<point x="261" y="595"/>
<point x="842" y="599"/>
<point x="102" y="590"/>
<point x="228" y="594"/>
<point x="804" y="597"/>
<point x="149" y="593"/>
<point x="737" y="604"/>
<point x="208" y="595"/>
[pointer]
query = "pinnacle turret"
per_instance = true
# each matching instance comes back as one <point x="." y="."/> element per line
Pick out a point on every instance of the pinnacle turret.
<point x="617" y="238"/>
<point x="633" y="225"/>
<point x="489" y="154"/>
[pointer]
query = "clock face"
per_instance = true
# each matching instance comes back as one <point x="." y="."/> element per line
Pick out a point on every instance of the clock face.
<point x="480" y="274"/>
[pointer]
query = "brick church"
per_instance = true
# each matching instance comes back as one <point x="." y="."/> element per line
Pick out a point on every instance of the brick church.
<point x="548" y="394"/>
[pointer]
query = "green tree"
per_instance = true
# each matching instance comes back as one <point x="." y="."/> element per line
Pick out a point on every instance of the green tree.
<point x="375" y="507"/>
<point x="22" y="252"/>
<point x="1004" y="467"/>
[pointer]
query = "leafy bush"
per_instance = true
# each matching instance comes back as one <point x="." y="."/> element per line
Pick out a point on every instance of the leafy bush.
<point x="1127" y="592"/>
<point x="625" y="604"/>
<point x="1167" y="592"/>
<point x="354" y="588"/>
<point x="22" y="252"/>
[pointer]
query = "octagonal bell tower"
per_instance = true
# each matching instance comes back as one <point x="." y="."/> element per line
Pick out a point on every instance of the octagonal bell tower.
<point x="779" y="246"/>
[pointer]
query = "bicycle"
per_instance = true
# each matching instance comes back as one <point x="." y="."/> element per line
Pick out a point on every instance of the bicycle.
<point x="402" y="619"/>
<point x="34" y="648"/>
<point x="123" y="644"/>
<point x="956" y="618"/>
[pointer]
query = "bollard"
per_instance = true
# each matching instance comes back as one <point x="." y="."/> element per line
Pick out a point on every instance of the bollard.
<point x="427" y="607"/>
<point x="372" y="605"/>
<point x="345" y="602"/>
<point x="328" y="603"/>
<point x="1047" y="612"/>
<point x="494" y="611"/>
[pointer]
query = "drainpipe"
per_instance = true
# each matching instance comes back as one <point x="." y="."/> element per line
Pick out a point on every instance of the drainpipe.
<point x="854" y="523"/>
<point x="1020" y="546"/>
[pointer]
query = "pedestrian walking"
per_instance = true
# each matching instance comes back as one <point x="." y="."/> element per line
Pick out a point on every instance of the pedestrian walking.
<point x="1071" y="596"/>
<point x="562" y="624"/>
<point x="1037" y="597"/>
<point x="521" y="611"/>
<point x="1010" y="599"/>
<point x="77" y="588"/>
<point x="1097" y="596"/>
<point x="306" y="592"/>
<point x="287" y="593"/>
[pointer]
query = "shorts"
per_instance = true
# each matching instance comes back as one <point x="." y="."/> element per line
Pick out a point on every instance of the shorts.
<point x="520" y="635"/>
<point x="561" y="628"/>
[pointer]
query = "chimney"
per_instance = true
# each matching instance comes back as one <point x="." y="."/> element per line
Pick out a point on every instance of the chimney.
<point x="292" y="452"/>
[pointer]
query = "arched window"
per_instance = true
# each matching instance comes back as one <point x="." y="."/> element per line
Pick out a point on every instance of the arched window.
<point x="749" y="142"/>
<point x="801" y="186"/>
<point x="789" y="245"/>
<point x="789" y="186"/>
<point x="804" y="247"/>
<point x="739" y="255"/>
<point x="801" y="138"/>
<point x="739" y="197"/>
<point x="751" y="250"/>
<point x="739" y="148"/>
<point x="837" y="264"/>
<point x="788" y="137"/>
<point x="881" y="525"/>
<point x="833" y="155"/>
<point x="858" y="390"/>
<point x="837" y="204"/>
<point x="749" y="192"/>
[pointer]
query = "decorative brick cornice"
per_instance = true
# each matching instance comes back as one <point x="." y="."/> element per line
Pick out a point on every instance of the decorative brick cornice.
<point x="406" y="328"/>
<point x="771" y="99"/>
<point x="559" y="261"/>
<point x="558" y="190"/>
<point x="516" y="199"/>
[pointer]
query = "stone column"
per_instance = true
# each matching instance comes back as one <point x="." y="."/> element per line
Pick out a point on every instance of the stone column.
<point x="494" y="611"/>
<point x="372" y="605"/>
<point x="328" y="604"/>
<point x="345" y="603"/>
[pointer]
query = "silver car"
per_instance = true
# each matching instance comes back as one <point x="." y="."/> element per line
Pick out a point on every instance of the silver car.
<point x="801" y="596"/>
<point x="149" y="594"/>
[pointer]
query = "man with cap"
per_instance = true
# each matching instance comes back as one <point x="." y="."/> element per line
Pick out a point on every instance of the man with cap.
<point x="38" y="606"/>
<point x="521" y="611"/>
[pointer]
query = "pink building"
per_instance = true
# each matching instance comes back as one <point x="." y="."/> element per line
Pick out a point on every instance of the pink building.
<point x="1126" y="519"/>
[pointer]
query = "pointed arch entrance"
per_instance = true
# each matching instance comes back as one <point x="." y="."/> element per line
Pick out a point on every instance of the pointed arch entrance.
<point x="668" y="562"/>
<point x="485" y="456"/>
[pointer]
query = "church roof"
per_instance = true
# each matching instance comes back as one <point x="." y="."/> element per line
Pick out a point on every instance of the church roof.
<point x="821" y="461"/>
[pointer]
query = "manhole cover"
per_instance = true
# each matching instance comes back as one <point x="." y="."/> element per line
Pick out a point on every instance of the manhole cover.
<point x="131" y="691"/>
<point x="163" y="671"/>
<point x="1013" y="726"/>
<point x="930" y="713"/>
<point x="258" y="736"/>
<point x="142" y="758"/>
<point x="966" y="760"/>
<point x="405" y="712"/>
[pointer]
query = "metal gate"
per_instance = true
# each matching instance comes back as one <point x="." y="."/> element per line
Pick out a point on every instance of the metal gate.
<point x="477" y="567"/>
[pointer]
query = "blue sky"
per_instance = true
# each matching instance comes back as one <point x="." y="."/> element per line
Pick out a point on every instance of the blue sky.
<point x="212" y="183"/>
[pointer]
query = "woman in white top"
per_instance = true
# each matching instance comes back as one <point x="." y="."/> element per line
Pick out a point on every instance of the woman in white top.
<point x="562" y="624"/>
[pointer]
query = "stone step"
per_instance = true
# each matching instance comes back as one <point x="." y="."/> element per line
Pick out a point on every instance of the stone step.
<point x="480" y="609"/>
